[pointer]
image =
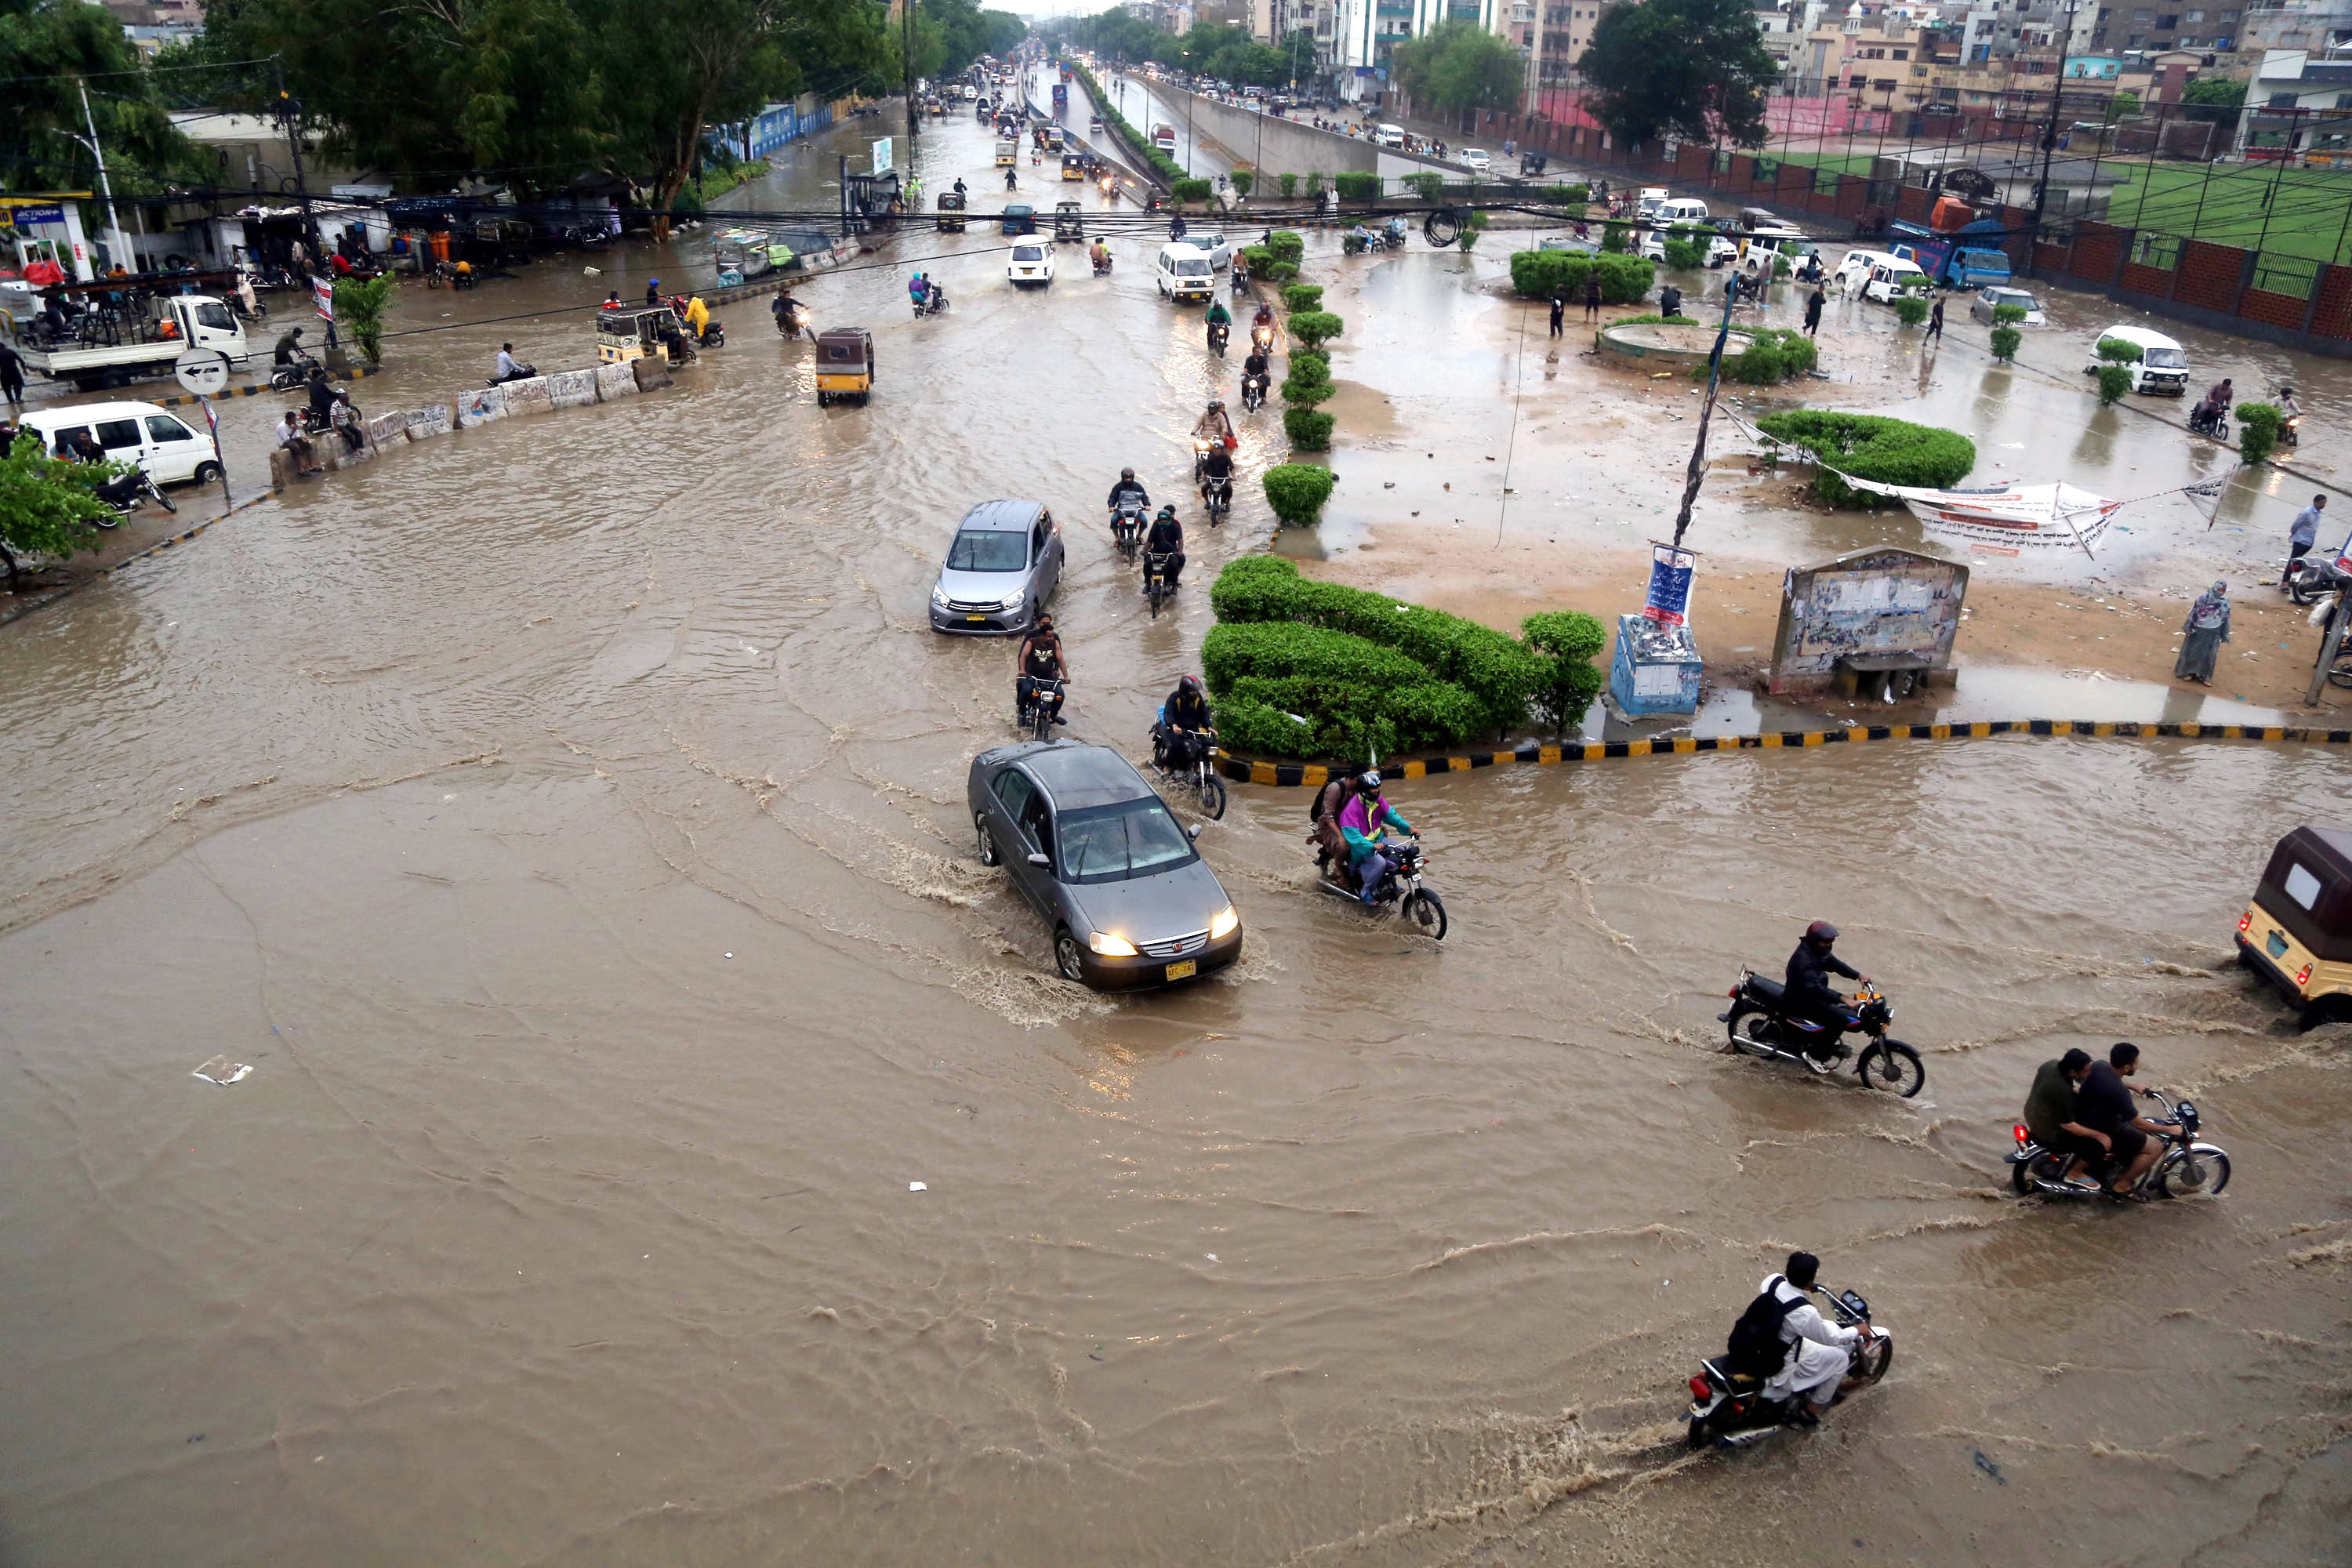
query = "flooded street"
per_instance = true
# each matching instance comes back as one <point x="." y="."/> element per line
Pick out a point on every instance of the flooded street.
<point x="565" y="819"/>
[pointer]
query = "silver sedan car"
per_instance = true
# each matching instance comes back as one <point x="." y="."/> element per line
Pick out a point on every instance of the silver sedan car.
<point x="1094" y="850"/>
<point x="1993" y="296"/>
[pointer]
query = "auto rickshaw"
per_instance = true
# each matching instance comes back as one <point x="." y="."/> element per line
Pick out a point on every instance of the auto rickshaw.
<point x="624" y="333"/>
<point x="2296" y="934"/>
<point x="1068" y="225"/>
<point x="1533" y="162"/>
<point x="844" y="364"/>
<point x="1008" y="153"/>
<point x="950" y="219"/>
<point x="1074" y="165"/>
<point x="1020" y="217"/>
<point x="1053" y="137"/>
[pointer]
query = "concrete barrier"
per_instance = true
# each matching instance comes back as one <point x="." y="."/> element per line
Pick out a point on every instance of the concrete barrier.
<point x="432" y="421"/>
<point x="652" y="374"/>
<point x="614" y="381"/>
<point x="529" y="396"/>
<point x="339" y="458"/>
<point x="385" y="429"/>
<point x="571" y="388"/>
<point x="480" y="405"/>
<point x="281" y="469"/>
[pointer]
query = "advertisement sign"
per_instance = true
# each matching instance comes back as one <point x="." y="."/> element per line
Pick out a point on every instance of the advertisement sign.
<point x="882" y="156"/>
<point x="14" y="213"/>
<point x="1670" y="582"/>
<point x="323" y="293"/>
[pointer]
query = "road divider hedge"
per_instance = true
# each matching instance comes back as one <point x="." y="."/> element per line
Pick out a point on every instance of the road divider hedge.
<point x="1871" y="447"/>
<point x="1296" y="491"/>
<point x="1624" y="279"/>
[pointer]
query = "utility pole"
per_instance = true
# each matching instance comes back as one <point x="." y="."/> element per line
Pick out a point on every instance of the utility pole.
<point x="115" y="239"/>
<point x="2050" y="138"/>
<point x="289" y="115"/>
<point x="907" y="65"/>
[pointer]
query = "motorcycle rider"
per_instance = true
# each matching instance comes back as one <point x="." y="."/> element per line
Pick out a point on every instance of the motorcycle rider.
<point x="1127" y="488"/>
<point x="1810" y="994"/>
<point x="289" y="345"/>
<point x="1041" y="658"/>
<point x="1219" y="317"/>
<point x="509" y="369"/>
<point x="1099" y="254"/>
<point x="1166" y="537"/>
<point x="1810" y="1379"/>
<point x="1216" y="426"/>
<point x="1257" y="368"/>
<point x="1184" y="731"/>
<point x="2052" y="1120"/>
<point x="1216" y="463"/>
<point x="1176" y="226"/>
<point x="2105" y="1101"/>
<point x="1364" y="823"/>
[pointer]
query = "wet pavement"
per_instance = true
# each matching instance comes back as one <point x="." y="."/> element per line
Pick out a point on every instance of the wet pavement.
<point x="565" y="819"/>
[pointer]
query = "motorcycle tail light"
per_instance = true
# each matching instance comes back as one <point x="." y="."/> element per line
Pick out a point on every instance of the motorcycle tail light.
<point x="1699" y="1389"/>
<point x="2020" y="1133"/>
<point x="2303" y="975"/>
<point x="1733" y="993"/>
<point x="2246" y="921"/>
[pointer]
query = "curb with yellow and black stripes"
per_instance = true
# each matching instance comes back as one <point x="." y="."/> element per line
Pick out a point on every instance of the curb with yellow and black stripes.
<point x="1247" y="770"/>
<point x="263" y="389"/>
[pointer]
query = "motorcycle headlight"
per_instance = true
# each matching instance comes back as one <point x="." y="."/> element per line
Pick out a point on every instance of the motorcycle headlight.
<point x="1111" y="946"/>
<point x="1223" y="924"/>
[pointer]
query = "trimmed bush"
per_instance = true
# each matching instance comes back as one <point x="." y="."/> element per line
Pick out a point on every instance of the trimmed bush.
<point x="1616" y="238"/>
<point x="1302" y="296"/>
<point x="2005" y="341"/>
<point x="2008" y="315"/>
<point x="1297" y="493"/>
<point x="1282" y="271"/>
<point x="1314" y="328"/>
<point x="1259" y="257"/>
<point x="1780" y="268"/>
<point x="1242" y="180"/>
<point x="2114" y="350"/>
<point x="1309" y="430"/>
<point x="1306" y="366"/>
<point x="1568" y="196"/>
<point x="1307" y="394"/>
<point x="2114" y="381"/>
<point x="1910" y="310"/>
<point x="1472" y="227"/>
<point x="2259" y="424"/>
<point x="1774" y="354"/>
<point x="1191" y="190"/>
<point x="1869" y="446"/>
<point x="1358" y="699"/>
<point x="1654" y="319"/>
<point x="1624" y="279"/>
<point x="1289" y="183"/>
<point x="1685" y="246"/>
<point x="1355" y="186"/>
<point x="1314" y="181"/>
<point x="1568" y="640"/>
<point x="1427" y="185"/>
<point x="1287" y="245"/>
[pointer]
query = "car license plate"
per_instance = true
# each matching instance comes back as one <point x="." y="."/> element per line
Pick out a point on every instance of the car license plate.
<point x="1185" y="971"/>
<point x="2275" y="944"/>
<point x="975" y="617"/>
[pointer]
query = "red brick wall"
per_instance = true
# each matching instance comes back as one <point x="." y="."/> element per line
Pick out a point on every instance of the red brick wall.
<point x="1693" y="162"/>
<point x="2051" y="259"/>
<point x="2097" y="248"/>
<point x="2144" y="280"/>
<point x="2020" y="239"/>
<point x="1911" y="204"/>
<point x="2262" y="305"/>
<point x="2333" y="318"/>
<point x="1743" y="172"/>
<point x="2209" y="276"/>
<point x="1852" y="196"/>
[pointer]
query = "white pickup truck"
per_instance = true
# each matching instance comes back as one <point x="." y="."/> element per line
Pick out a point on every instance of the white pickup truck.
<point x="179" y="321"/>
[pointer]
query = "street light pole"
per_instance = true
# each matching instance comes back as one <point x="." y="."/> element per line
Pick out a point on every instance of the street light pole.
<point x="907" y="70"/>
<point x="2050" y="138"/>
<point x="116" y="239"/>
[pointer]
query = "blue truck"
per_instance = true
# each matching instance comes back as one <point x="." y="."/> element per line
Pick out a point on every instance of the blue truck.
<point x="1061" y="96"/>
<point x="1968" y="258"/>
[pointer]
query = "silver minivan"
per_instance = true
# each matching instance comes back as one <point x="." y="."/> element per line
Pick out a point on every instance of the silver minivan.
<point x="1003" y="565"/>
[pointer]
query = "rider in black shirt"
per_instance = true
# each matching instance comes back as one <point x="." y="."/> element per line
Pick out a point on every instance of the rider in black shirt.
<point x="1167" y="538"/>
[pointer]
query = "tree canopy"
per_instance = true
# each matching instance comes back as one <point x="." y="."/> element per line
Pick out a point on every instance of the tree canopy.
<point x="2214" y="99"/>
<point x="48" y="48"/>
<point x="1226" y="53"/>
<point x="1456" y="66"/>
<point x="1696" y="69"/>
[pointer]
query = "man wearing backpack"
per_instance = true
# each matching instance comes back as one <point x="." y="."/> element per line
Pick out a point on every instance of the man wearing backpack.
<point x="1782" y="1320"/>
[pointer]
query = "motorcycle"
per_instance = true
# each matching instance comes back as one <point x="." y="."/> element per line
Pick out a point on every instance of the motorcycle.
<point x="1196" y="770"/>
<point x="1392" y="237"/>
<point x="1420" y="906"/>
<point x="126" y="494"/>
<point x="930" y="304"/>
<point x="1218" y="334"/>
<point x="2309" y="580"/>
<point x="1758" y="1027"/>
<point x="1041" y="710"/>
<point x="1253" y="394"/>
<point x="2204" y="420"/>
<point x="1102" y="265"/>
<point x="714" y="336"/>
<point x="522" y="373"/>
<point x="1126" y="525"/>
<point x="2186" y="1169"/>
<point x="1158" y="586"/>
<point x="294" y="373"/>
<point x="1730" y="1408"/>
<point x="1217" y="494"/>
<point x="2290" y="430"/>
<point x="1262" y="338"/>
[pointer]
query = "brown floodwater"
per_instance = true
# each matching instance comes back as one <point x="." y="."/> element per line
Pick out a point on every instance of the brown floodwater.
<point x="564" y="819"/>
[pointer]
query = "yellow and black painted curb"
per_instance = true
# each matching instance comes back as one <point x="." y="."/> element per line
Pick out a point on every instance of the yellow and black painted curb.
<point x="1246" y="770"/>
<point x="263" y="389"/>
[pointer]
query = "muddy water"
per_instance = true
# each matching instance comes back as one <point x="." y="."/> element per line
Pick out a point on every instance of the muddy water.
<point x="566" y="822"/>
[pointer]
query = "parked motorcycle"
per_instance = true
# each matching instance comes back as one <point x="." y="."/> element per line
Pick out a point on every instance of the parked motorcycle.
<point x="2311" y="579"/>
<point x="1126" y="525"/>
<point x="1219" y="333"/>
<point x="126" y="494"/>
<point x="1037" y="712"/>
<point x="1730" y="1408"/>
<point x="2186" y="1169"/>
<point x="1419" y="905"/>
<point x="1158" y="585"/>
<point x="1217" y="495"/>
<point x="1758" y="1027"/>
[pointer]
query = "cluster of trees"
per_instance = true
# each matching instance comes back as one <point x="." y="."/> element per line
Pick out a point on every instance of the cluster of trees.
<point x="1457" y="66"/>
<point x="1226" y="53"/>
<point x="46" y="48"/>
<point x="1694" y="69"/>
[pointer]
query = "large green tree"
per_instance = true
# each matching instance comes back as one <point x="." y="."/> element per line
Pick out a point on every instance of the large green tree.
<point x="49" y="50"/>
<point x="1457" y="66"/>
<point x="47" y="507"/>
<point x="2214" y="99"/>
<point x="1696" y="69"/>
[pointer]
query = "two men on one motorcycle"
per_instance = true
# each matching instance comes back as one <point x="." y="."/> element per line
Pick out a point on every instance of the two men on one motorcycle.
<point x="1215" y="431"/>
<point x="1352" y="819"/>
<point x="2083" y="1107"/>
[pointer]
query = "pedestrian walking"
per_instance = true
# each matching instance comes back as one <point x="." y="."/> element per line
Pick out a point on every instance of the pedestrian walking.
<point x="2301" y="535"/>
<point x="2202" y="635"/>
<point x="1813" y="312"/>
<point x="1593" y="296"/>
<point x="1558" y="309"/>
<point x="12" y="372"/>
<point x="1935" y="322"/>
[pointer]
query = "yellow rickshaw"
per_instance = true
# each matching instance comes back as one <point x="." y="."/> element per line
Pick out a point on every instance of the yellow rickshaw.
<point x="1008" y="153"/>
<point x="624" y="333"/>
<point x="950" y="219"/>
<point x="844" y="364"/>
<point x="2296" y="932"/>
<point x="1074" y="165"/>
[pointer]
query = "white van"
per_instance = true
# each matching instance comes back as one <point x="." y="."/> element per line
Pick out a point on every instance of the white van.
<point x="1680" y="209"/>
<point x="1185" y="272"/>
<point x="142" y="432"/>
<point x="1876" y="275"/>
<point x="1766" y="245"/>
<point x="2162" y="366"/>
<point x="1653" y="197"/>
<point x="1389" y="135"/>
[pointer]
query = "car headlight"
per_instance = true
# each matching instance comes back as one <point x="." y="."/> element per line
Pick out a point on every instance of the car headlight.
<point x="1012" y="601"/>
<point x="1111" y="946"/>
<point x="939" y="596"/>
<point x="1223" y="924"/>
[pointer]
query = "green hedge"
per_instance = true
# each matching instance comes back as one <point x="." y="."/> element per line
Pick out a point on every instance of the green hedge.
<point x="1869" y="446"/>
<point x="1296" y="491"/>
<point x="1287" y="245"/>
<point x="2259" y="424"/>
<point x="1683" y="251"/>
<point x="1774" y="354"/>
<point x="1306" y="366"/>
<point x="1159" y="162"/>
<point x="1314" y="328"/>
<point x="1568" y="196"/>
<point x="1281" y="271"/>
<point x="1259" y="258"/>
<point x="1357" y="187"/>
<point x="1302" y="296"/>
<point x="1191" y="190"/>
<point x="1624" y="279"/>
<point x="1308" y="429"/>
<point x="1428" y="184"/>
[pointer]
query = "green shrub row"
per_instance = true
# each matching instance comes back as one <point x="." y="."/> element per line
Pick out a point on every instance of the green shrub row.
<point x="1774" y="354"/>
<point x="1355" y="187"/>
<point x="1159" y="162"/>
<point x="1870" y="446"/>
<point x="1191" y="190"/>
<point x="1624" y="279"/>
<point x="1568" y="196"/>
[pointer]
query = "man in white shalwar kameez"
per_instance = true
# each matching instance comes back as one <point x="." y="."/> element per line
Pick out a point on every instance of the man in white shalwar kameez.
<point x="1823" y="1352"/>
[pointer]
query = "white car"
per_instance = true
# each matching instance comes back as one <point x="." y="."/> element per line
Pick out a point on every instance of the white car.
<point x="1474" y="158"/>
<point x="1032" y="262"/>
<point x="1719" y="249"/>
<point x="166" y="449"/>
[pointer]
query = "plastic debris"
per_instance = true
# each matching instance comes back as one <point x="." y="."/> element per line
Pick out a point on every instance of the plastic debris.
<point x="917" y="1187"/>
<point x="223" y="1071"/>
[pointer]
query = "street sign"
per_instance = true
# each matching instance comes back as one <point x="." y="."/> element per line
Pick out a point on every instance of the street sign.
<point x="882" y="156"/>
<point x="201" y="371"/>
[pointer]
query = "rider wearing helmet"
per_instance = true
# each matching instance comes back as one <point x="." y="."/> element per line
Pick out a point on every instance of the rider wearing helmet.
<point x="1218" y="315"/>
<point x="1166" y="537"/>
<point x="1364" y="822"/>
<point x="1810" y="994"/>
<point x="1184" y="731"/>
<point x="1216" y="426"/>
<point x="1127" y="488"/>
<point x="1265" y="317"/>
